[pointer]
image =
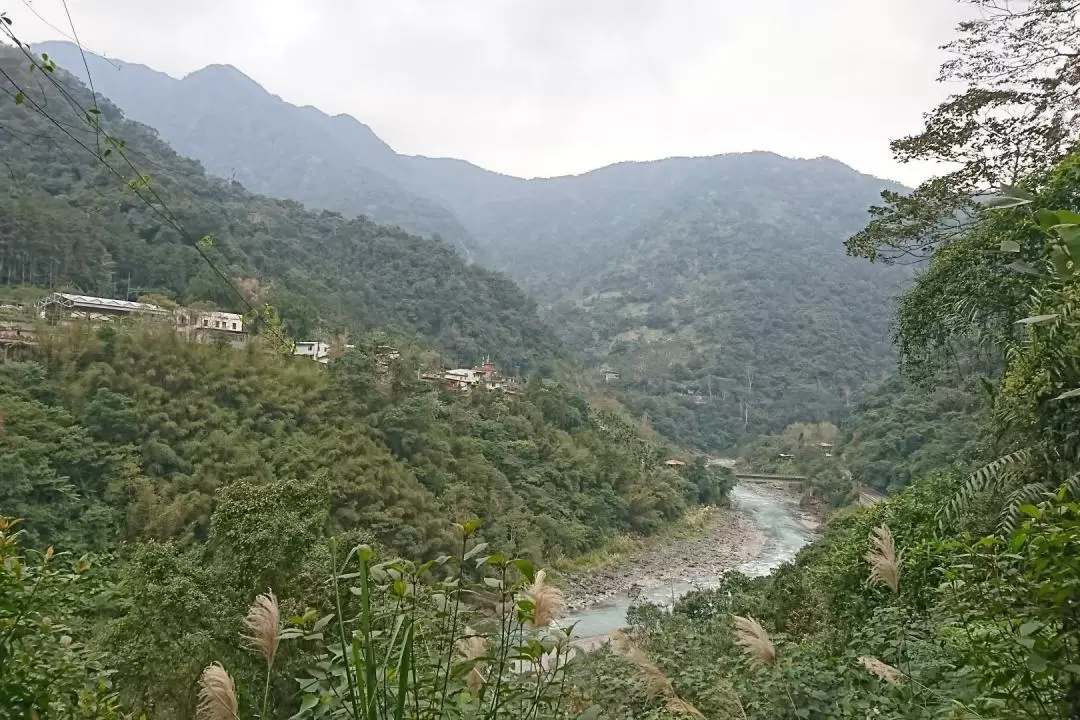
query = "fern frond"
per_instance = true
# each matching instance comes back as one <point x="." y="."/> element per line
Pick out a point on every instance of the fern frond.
<point x="1071" y="487"/>
<point x="1030" y="494"/>
<point x="993" y="475"/>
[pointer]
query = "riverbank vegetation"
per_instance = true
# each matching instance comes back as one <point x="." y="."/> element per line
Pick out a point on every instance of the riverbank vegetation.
<point x="214" y="533"/>
<point x="955" y="597"/>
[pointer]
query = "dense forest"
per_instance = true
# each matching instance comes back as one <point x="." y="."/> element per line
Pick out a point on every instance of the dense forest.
<point x="132" y="433"/>
<point x="211" y="473"/>
<point x="220" y="534"/>
<point x="686" y="275"/>
<point x="724" y="319"/>
<point x="68" y="221"/>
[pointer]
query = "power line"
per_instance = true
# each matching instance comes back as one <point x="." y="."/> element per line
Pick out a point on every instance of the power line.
<point x="92" y="118"/>
<point x="30" y="6"/>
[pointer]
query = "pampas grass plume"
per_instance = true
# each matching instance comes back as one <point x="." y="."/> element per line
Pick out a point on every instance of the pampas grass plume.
<point x="656" y="682"/>
<point x="884" y="560"/>
<point x="753" y="638"/>
<point x="471" y="647"/>
<point x="882" y="670"/>
<point x="548" y="601"/>
<point x="264" y="622"/>
<point x="217" y="695"/>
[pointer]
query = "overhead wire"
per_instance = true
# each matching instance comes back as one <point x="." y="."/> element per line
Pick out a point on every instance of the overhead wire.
<point x="161" y="208"/>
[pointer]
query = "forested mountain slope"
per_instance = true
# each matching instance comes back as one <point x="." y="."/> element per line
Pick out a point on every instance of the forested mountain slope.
<point x="733" y="308"/>
<point x="241" y="132"/>
<point x="131" y="434"/>
<point x="67" y="221"/>
<point x="717" y="287"/>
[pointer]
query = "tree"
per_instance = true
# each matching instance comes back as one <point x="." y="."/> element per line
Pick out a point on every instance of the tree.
<point x="1020" y="113"/>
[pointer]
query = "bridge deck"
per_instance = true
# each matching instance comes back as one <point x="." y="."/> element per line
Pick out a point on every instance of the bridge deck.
<point x="764" y="477"/>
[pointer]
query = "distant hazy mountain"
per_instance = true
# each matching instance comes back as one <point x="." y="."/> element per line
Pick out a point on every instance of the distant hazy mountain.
<point x="716" y="287"/>
<point x="239" y="131"/>
<point x="66" y="222"/>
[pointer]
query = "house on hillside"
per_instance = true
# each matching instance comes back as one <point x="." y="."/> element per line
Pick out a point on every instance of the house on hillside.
<point x="212" y="326"/>
<point x="485" y="376"/>
<point x="99" y="309"/>
<point x="319" y="351"/>
<point x="673" y="463"/>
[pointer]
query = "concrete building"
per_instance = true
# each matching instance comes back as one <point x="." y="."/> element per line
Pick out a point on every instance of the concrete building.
<point x="100" y="309"/>
<point x="314" y="349"/>
<point x="212" y="326"/>
<point x="320" y="352"/>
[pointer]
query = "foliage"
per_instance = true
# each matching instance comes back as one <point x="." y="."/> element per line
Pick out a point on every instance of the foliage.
<point x="46" y="668"/>
<point x="900" y="431"/>
<point x="685" y="275"/>
<point x="411" y="651"/>
<point x="1017" y="115"/>
<point x="67" y="220"/>
<point x="136" y="433"/>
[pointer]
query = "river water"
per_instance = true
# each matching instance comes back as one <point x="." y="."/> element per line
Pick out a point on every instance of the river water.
<point x="778" y="517"/>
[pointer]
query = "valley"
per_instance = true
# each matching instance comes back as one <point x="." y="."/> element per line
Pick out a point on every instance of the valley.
<point x="714" y="290"/>
<point x="295" y="425"/>
<point x="763" y="529"/>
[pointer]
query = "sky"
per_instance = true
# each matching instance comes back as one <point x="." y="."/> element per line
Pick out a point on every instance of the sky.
<point x="554" y="87"/>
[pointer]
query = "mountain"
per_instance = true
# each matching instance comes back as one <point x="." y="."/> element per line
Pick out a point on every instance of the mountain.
<point x="717" y="288"/>
<point x="66" y="220"/>
<point x="241" y="132"/>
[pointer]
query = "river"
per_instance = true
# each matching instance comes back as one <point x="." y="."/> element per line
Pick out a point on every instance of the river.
<point x="785" y="528"/>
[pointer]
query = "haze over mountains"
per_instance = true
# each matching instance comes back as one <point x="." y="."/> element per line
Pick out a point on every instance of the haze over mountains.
<point x="717" y="288"/>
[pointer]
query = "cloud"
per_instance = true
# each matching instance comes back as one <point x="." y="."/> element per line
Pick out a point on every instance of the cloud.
<point x="544" y="87"/>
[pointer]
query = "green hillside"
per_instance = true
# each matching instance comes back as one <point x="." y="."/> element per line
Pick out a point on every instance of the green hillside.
<point x="688" y="276"/>
<point x="734" y="311"/>
<point x="67" y="221"/>
<point x="114" y="434"/>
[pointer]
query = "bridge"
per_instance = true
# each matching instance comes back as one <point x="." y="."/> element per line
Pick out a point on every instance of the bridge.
<point x="764" y="478"/>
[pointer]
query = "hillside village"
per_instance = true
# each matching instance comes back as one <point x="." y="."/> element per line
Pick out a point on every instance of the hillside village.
<point x="19" y="326"/>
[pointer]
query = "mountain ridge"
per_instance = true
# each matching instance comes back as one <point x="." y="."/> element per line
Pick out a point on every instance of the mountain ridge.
<point x="679" y="274"/>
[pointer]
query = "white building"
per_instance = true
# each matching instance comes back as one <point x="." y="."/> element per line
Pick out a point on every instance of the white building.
<point x="94" y="308"/>
<point x="314" y="349"/>
<point x="317" y="350"/>
<point x="212" y="325"/>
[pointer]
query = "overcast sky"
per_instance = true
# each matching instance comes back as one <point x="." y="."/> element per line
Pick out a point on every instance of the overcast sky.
<point x="550" y="87"/>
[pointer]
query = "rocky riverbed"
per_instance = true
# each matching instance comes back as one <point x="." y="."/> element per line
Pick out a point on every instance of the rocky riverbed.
<point x="730" y="539"/>
<point x="764" y="528"/>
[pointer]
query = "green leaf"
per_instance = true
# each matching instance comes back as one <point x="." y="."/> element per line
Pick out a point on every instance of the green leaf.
<point x="526" y="568"/>
<point x="403" y="674"/>
<point x="1029" y="628"/>
<point x="1037" y="319"/>
<point x="1010" y="246"/>
<point x="309" y="702"/>
<point x="1036" y="662"/>
<point x="19" y="98"/>
<point x="475" y="550"/>
<point x="1002" y="202"/>
<point x="1015" y="192"/>
<point x="1047" y="219"/>
<point x="322" y="622"/>
<point x="1068" y="394"/>
<point x="1030" y="510"/>
<point x="1022" y="267"/>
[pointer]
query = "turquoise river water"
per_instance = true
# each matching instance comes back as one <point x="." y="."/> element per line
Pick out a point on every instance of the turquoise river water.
<point x="776" y="517"/>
